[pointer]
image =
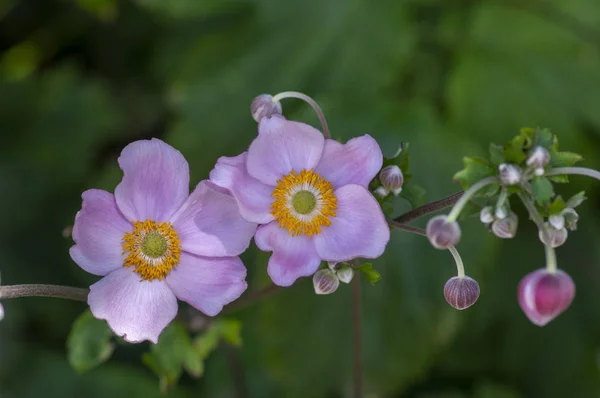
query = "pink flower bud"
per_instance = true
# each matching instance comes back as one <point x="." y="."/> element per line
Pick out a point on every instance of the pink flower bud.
<point x="392" y="179"/>
<point x="263" y="106"/>
<point x="325" y="281"/>
<point x="544" y="295"/>
<point x="510" y="174"/>
<point x="506" y="228"/>
<point x="557" y="236"/>
<point x="461" y="293"/>
<point x="442" y="233"/>
<point x="538" y="158"/>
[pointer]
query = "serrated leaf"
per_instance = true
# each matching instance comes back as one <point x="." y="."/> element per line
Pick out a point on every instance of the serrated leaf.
<point x="496" y="154"/>
<point x="544" y="138"/>
<point x="372" y="275"/>
<point x="514" y="150"/>
<point x="542" y="190"/>
<point x="88" y="344"/>
<point x="564" y="159"/>
<point x="401" y="158"/>
<point x="414" y="194"/>
<point x="475" y="170"/>
<point x="576" y="200"/>
<point x="557" y="205"/>
<point x="561" y="179"/>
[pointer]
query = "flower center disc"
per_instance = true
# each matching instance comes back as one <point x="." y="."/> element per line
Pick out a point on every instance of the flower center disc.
<point x="153" y="249"/>
<point x="303" y="203"/>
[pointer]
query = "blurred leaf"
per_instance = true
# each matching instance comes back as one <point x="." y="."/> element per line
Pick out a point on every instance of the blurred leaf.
<point x="576" y="200"/>
<point x="88" y="344"/>
<point x="372" y="275"/>
<point x="557" y="205"/>
<point x="414" y="194"/>
<point x="104" y="9"/>
<point x="542" y="190"/>
<point x="475" y="170"/>
<point x="20" y="61"/>
<point x="496" y="154"/>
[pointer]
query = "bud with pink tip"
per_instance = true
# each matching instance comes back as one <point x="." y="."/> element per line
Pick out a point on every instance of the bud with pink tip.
<point x="264" y="106"/>
<point x="391" y="178"/>
<point x="544" y="295"/>
<point x="325" y="281"/>
<point x="461" y="293"/>
<point x="538" y="158"/>
<point x="510" y="174"/>
<point x="443" y="233"/>
<point x="506" y="228"/>
<point x="557" y="236"/>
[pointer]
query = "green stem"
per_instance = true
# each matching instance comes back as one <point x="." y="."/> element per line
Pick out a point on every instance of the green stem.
<point x="35" y="290"/>
<point x="309" y="101"/>
<point x="551" y="264"/>
<point x="460" y="268"/>
<point x="464" y="199"/>
<point x="584" y="171"/>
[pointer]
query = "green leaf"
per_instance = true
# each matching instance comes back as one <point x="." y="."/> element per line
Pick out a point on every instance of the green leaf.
<point x="475" y="170"/>
<point x="414" y="194"/>
<point x="401" y="158"/>
<point x="230" y="330"/>
<point x="557" y="205"/>
<point x="576" y="200"/>
<point x="470" y="209"/>
<point x="88" y="344"/>
<point x="561" y="179"/>
<point x="542" y="190"/>
<point x="514" y="150"/>
<point x="564" y="159"/>
<point x="497" y="154"/>
<point x="372" y="275"/>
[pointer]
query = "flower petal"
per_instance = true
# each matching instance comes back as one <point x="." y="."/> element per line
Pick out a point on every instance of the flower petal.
<point x="356" y="162"/>
<point x="253" y="197"/>
<point x="359" y="228"/>
<point x="208" y="283"/>
<point x="293" y="256"/>
<point x="209" y="223"/>
<point x="98" y="230"/>
<point x="135" y="309"/>
<point x="283" y="146"/>
<point x="155" y="181"/>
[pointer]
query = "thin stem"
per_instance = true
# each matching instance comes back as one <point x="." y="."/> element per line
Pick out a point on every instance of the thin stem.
<point x="464" y="199"/>
<point x="236" y="370"/>
<point x="584" y="171"/>
<point x="33" y="290"/>
<point x="252" y="297"/>
<point x="357" y="338"/>
<point x="551" y="265"/>
<point x="460" y="268"/>
<point x="429" y="208"/>
<point x="309" y="101"/>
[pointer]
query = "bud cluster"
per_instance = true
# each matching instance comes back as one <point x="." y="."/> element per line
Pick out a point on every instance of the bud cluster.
<point x="327" y="280"/>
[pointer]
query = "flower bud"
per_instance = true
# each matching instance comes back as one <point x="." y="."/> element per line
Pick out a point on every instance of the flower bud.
<point x="391" y="177"/>
<point x="333" y="265"/>
<point x="325" y="281"/>
<point x="544" y="295"/>
<point x="461" y="293"/>
<point x="263" y="106"/>
<point x="345" y="274"/>
<point x="557" y="221"/>
<point x="510" y="174"/>
<point x="557" y="236"/>
<point x="501" y="212"/>
<point x="506" y="228"/>
<point x="538" y="158"/>
<point x="1" y="312"/>
<point x="382" y="191"/>
<point x="442" y="233"/>
<point x="486" y="215"/>
<point x="571" y="217"/>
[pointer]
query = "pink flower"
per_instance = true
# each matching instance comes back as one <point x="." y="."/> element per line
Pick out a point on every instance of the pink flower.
<point x="153" y="242"/>
<point x="310" y="193"/>
<point x="544" y="295"/>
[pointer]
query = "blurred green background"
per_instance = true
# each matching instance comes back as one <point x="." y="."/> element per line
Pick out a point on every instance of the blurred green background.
<point x="80" y="79"/>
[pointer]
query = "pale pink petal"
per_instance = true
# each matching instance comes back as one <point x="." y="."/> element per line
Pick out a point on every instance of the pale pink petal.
<point x="293" y="256"/>
<point x="209" y="223"/>
<point x="135" y="309"/>
<point x="359" y="228"/>
<point x="253" y="197"/>
<point x="208" y="283"/>
<point x="283" y="146"/>
<point x="98" y="230"/>
<point x="155" y="181"/>
<point x="356" y="162"/>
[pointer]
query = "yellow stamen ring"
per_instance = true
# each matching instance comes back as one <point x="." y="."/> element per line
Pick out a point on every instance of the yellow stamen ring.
<point x="153" y="249"/>
<point x="303" y="203"/>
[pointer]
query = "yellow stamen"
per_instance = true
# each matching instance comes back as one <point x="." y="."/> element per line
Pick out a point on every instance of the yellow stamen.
<point x="153" y="249"/>
<point x="303" y="203"/>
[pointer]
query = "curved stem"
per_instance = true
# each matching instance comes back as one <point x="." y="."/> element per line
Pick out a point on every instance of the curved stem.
<point x="429" y="208"/>
<point x="460" y="268"/>
<point x="537" y="218"/>
<point x="357" y="338"/>
<point x="251" y="298"/>
<point x="309" y="101"/>
<point x="33" y="290"/>
<point x="464" y="199"/>
<point x="584" y="171"/>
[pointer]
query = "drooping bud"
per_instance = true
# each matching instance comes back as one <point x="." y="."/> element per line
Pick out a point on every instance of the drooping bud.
<point x="544" y="295"/>
<point x="325" y="281"/>
<point x="510" y="174"/>
<point x="571" y="218"/>
<point x="264" y="106"/>
<point x="507" y="227"/>
<point x="538" y="158"/>
<point x="442" y="233"/>
<point x="486" y="215"/>
<point x="557" y="236"/>
<point x="381" y="191"/>
<point x="557" y="221"/>
<point x="392" y="179"/>
<point x="501" y="212"/>
<point x="1" y="312"/>
<point x="345" y="274"/>
<point x="461" y="293"/>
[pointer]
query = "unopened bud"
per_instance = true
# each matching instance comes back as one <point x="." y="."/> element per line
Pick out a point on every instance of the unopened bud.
<point x="325" y="281"/>
<point x="506" y="228"/>
<point x="501" y="212"/>
<point x="381" y="191"/>
<point x="333" y="265"/>
<point x="1" y="312"/>
<point x="557" y="221"/>
<point x="442" y="233"/>
<point x="538" y="158"/>
<point x="345" y="274"/>
<point x="486" y="215"/>
<point x="461" y="293"/>
<point x="571" y="218"/>
<point x="392" y="179"/>
<point x="544" y="295"/>
<point x="264" y="106"/>
<point x="510" y="174"/>
<point x="557" y="236"/>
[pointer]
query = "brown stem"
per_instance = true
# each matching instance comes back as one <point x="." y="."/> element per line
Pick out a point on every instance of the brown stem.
<point x="252" y="297"/>
<point x="428" y="208"/>
<point x="32" y="290"/>
<point x="357" y="338"/>
<point x="236" y="370"/>
<point x="407" y="228"/>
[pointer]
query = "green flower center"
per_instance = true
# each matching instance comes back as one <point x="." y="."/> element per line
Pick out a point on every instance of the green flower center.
<point x="304" y="202"/>
<point x="154" y="245"/>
